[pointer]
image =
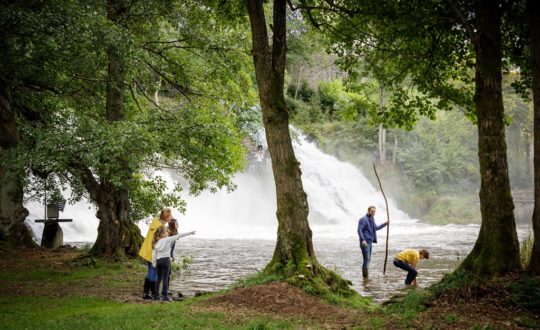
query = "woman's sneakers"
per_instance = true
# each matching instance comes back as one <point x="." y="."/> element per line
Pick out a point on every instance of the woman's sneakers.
<point x="167" y="299"/>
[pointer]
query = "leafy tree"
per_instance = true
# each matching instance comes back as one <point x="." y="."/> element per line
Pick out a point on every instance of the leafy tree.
<point x="118" y="132"/>
<point x="438" y="156"/>
<point x="522" y="47"/>
<point x="304" y="52"/>
<point x="294" y="256"/>
<point x="30" y="78"/>
<point x="433" y="44"/>
<point x="533" y="9"/>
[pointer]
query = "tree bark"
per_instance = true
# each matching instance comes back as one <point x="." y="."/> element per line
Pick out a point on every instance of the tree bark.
<point x="534" y="28"/>
<point x="496" y="251"/>
<point x="12" y="212"/>
<point x="294" y="256"/>
<point x="117" y="234"/>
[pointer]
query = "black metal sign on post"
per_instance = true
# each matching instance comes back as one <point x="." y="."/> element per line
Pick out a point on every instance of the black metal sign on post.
<point x="53" y="237"/>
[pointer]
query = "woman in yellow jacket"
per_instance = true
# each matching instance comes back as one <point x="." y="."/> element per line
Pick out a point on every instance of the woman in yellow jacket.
<point x="407" y="260"/>
<point x="146" y="252"/>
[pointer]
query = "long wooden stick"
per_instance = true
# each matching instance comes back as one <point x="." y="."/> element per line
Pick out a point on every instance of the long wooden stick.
<point x="388" y="218"/>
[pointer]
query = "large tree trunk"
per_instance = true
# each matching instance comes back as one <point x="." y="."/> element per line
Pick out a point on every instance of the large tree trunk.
<point x="12" y="212"/>
<point x="117" y="234"/>
<point x="496" y="251"/>
<point x="534" y="23"/>
<point x="294" y="257"/>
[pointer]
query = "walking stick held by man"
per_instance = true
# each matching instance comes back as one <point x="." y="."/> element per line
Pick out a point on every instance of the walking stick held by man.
<point x="387" y="218"/>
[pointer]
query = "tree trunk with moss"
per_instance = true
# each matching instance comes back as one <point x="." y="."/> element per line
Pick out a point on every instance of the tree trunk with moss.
<point x="294" y="257"/>
<point x="534" y="24"/>
<point x="12" y="212"/>
<point x="496" y="251"/>
<point x="117" y="236"/>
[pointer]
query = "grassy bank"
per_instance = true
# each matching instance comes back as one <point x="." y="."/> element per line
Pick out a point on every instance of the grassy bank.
<point x="29" y="312"/>
<point x="63" y="290"/>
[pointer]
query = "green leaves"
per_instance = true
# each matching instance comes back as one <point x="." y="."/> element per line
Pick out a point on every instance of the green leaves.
<point x="336" y="101"/>
<point x="441" y="155"/>
<point x="416" y="50"/>
<point x="187" y="79"/>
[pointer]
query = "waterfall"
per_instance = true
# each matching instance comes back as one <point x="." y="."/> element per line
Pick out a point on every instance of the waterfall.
<point x="338" y="195"/>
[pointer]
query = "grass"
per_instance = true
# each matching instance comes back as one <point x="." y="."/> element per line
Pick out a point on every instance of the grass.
<point x="256" y="279"/>
<point x="409" y="306"/>
<point x="86" y="313"/>
<point x="526" y="249"/>
<point x="62" y="295"/>
<point x="103" y="269"/>
<point x="51" y="291"/>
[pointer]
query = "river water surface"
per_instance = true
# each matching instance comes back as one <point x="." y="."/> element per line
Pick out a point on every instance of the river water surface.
<point x="236" y="231"/>
<point x="217" y="263"/>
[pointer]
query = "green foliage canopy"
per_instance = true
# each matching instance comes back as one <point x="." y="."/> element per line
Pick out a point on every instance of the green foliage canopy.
<point x="56" y="59"/>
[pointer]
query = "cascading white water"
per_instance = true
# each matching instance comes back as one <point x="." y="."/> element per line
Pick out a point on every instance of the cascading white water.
<point x="338" y="194"/>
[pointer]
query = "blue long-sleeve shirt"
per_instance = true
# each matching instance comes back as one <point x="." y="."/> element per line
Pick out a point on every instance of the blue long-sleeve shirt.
<point x="367" y="229"/>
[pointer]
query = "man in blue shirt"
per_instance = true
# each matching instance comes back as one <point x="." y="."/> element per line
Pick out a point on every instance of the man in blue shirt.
<point x="367" y="232"/>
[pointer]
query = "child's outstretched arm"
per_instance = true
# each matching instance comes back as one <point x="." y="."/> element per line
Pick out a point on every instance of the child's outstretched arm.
<point x="178" y="236"/>
<point x="185" y="234"/>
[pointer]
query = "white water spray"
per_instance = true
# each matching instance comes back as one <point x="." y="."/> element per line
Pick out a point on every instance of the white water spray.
<point x="338" y="195"/>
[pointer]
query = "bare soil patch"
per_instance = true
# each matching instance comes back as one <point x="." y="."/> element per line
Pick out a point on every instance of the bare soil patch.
<point x="490" y="304"/>
<point x="285" y="300"/>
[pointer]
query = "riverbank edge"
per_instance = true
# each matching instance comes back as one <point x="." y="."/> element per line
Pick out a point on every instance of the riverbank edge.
<point x="63" y="289"/>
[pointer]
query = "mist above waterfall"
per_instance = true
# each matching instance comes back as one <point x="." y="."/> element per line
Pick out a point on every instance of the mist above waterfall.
<point x="338" y="194"/>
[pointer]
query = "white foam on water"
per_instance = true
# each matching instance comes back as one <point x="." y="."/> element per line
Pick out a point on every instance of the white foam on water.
<point x="338" y="195"/>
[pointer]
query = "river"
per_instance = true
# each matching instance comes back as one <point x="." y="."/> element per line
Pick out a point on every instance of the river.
<point x="236" y="231"/>
<point x="217" y="263"/>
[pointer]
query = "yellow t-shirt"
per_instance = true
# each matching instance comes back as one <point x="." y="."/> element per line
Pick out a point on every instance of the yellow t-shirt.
<point x="410" y="256"/>
<point x="146" y="248"/>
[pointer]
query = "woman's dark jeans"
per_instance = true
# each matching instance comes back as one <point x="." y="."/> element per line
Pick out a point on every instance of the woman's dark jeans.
<point x="411" y="275"/>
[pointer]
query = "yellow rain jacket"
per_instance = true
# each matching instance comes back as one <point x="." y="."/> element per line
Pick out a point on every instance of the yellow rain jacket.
<point x="409" y="256"/>
<point x="146" y="249"/>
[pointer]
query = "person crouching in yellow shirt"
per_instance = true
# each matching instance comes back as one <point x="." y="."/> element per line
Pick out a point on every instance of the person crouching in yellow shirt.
<point x="407" y="260"/>
<point x="146" y="253"/>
